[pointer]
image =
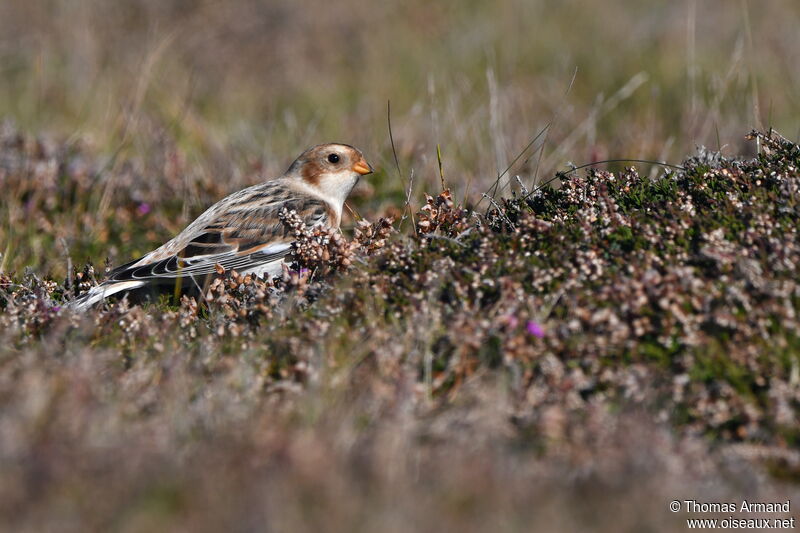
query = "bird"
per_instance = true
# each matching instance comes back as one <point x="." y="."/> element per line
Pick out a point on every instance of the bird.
<point x="243" y="231"/>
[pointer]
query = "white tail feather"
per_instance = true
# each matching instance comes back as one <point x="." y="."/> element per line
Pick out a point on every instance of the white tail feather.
<point x="99" y="293"/>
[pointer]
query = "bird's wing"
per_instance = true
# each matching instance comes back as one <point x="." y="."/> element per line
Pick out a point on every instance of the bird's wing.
<point x="241" y="232"/>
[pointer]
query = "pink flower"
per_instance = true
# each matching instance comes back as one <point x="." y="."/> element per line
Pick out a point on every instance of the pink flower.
<point x="143" y="208"/>
<point x="512" y="321"/>
<point x="535" y="329"/>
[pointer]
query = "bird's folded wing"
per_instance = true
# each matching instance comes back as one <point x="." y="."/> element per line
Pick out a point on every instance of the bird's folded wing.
<point x="243" y="236"/>
<point x="178" y="267"/>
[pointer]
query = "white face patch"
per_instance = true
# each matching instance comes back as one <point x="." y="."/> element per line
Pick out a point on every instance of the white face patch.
<point x="336" y="186"/>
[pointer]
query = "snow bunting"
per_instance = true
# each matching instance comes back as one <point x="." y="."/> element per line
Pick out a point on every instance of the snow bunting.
<point x="242" y="231"/>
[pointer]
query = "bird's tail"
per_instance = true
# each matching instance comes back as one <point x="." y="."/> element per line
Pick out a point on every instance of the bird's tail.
<point x="101" y="292"/>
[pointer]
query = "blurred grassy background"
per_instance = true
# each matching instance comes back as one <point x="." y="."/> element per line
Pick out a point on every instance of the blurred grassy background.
<point x="248" y="78"/>
<point x="222" y="90"/>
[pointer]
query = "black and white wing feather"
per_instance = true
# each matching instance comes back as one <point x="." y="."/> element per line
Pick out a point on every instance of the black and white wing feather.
<point x="242" y="232"/>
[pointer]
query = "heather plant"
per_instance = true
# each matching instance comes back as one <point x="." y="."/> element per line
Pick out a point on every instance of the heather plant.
<point x="591" y="301"/>
<point x="677" y="292"/>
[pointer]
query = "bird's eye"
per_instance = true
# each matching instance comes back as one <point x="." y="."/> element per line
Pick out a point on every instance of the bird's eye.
<point x="333" y="158"/>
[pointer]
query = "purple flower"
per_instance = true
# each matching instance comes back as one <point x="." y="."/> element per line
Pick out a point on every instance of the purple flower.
<point x="143" y="208"/>
<point x="55" y="308"/>
<point x="535" y="329"/>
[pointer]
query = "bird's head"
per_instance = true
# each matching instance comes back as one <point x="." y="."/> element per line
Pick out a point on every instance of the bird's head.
<point x="333" y="169"/>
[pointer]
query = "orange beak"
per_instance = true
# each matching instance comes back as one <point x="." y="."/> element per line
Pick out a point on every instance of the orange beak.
<point x="362" y="167"/>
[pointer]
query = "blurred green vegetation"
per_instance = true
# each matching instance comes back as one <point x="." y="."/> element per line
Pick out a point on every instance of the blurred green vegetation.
<point x="241" y="80"/>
